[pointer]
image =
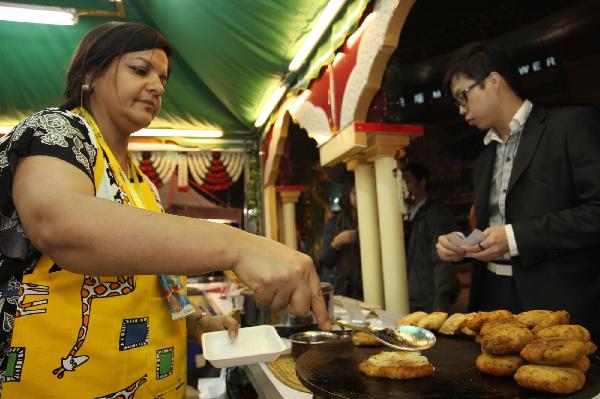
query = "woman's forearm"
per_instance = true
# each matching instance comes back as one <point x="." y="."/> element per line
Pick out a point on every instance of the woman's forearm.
<point x="91" y="235"/>
<point x="82" y="233"/>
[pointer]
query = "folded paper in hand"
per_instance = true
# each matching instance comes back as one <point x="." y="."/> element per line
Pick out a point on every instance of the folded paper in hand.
<point x="474" y="238"/>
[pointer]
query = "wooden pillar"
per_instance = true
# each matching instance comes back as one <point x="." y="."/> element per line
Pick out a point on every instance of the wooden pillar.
<point x="377" y="143"/>
<point x="368" y="230"/>
<point x="289" y="196"/>
<point x="270" y="212"/>
<point x="381" y="151"/>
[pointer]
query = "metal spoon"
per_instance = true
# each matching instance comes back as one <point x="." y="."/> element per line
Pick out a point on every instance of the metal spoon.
<point x="406" y="338"/>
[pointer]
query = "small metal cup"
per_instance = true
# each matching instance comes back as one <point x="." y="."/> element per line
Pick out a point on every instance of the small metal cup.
<point x="303" y="341"/>
<point x="346" y="333"/>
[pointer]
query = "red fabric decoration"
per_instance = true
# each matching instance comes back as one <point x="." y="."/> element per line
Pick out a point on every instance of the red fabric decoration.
<point x="217" y="178"/>
<point x="148" y="169"/>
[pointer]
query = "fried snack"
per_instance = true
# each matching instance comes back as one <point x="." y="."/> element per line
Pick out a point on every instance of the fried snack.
<point x="453" y="324"/>
<point x="411" y="319"/>
<point x="467" y="331"/>
<point x="496" y="324"/>
<point x="500" y="366"/>
<point x="590" y="348"/>
<point x="531" y="318"/>
<point x="475" y="322"/>
<point x="360" y="338"/>
<point x="583" y="364"/>
<point x="553" y="319"/>
<point x="481" y="318"/>
<point x="550" y="379"/>
<point x="553" y="351"/>
<point x="570" y="331"/>
<point x="506" y="339"/>
<point x="433" y="321"/>
<point x="396" y="365"/>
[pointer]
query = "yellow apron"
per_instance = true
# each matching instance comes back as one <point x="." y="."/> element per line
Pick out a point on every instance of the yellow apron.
<point x="84" y="336"/>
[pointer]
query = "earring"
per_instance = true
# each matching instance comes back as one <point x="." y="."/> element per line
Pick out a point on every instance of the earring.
<point x="86" y="89"/>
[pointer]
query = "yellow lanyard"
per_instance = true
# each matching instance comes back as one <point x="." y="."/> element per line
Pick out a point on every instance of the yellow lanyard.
<point x="173" y="286"/>
<point x="136" y="190"/>
<point x="134" y="195"/>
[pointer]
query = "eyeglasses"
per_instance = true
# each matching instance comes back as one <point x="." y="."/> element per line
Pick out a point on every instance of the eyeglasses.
<point x="461" y="99"/>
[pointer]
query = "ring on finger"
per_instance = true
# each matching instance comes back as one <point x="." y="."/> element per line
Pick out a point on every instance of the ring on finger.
<point x="481" y="246"/>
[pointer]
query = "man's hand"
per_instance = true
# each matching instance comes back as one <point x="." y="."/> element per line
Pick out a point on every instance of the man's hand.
<point x="344" y="238"/>
<point x="446" y="250"/>
<point x="494" y="246"/>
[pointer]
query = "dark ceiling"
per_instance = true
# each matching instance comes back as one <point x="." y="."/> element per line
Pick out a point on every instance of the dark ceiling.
<point x="531" y="30"/>
<point x="434" y="29"/>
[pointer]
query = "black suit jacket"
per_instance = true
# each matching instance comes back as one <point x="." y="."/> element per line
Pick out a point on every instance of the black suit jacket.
<point x="553" y="204"/>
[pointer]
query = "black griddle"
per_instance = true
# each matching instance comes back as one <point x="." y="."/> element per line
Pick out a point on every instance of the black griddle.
<point x="330" y="370"/>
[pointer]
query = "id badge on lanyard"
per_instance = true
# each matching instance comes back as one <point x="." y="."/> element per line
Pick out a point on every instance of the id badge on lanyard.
<point x="140" y="196"/>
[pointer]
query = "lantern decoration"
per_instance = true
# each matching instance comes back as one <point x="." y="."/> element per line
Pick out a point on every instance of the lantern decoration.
<point x="214" y="171"/>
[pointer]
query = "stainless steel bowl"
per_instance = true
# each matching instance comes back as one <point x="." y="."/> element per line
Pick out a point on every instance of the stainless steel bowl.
<point x="303" y="341"/>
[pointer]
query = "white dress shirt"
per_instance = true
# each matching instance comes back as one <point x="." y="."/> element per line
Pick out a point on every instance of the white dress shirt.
<point x="503" y="164"/>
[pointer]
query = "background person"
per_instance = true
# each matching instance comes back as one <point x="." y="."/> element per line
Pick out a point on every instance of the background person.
<point x="432" y="283"/>
<point x="340" y="253"/>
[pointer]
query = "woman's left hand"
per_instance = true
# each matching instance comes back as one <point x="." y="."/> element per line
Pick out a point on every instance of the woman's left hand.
<point x="207" y="323"/>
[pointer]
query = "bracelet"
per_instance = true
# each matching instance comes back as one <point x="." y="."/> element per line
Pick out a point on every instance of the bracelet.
<point x="192" y="323"/>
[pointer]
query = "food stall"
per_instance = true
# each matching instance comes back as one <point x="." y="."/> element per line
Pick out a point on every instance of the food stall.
<point x="332" y="104"/>
<point x="330" y="368"/>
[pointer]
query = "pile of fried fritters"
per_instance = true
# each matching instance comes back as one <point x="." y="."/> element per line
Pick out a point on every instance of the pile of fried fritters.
<point x="538" y="347"/>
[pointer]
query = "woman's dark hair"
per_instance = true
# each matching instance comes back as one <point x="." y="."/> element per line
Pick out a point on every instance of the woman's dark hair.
<point x="100" y="46"/>
<point x="477" y="60"/>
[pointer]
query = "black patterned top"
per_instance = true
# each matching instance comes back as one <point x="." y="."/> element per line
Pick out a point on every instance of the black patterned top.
<point x="52" y="132"/>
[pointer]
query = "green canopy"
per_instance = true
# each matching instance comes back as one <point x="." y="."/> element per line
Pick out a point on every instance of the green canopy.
<point x="230" y="56"/>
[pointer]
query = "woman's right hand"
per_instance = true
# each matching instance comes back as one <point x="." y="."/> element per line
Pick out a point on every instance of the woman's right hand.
<point x="281" y="277"/>
<point x="447" y="251"/>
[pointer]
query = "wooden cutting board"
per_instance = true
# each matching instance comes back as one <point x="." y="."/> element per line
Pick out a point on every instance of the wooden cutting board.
<point x="331" y="371"/>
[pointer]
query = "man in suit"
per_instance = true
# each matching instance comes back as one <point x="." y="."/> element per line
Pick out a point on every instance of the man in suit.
<point x="537" y="195"/>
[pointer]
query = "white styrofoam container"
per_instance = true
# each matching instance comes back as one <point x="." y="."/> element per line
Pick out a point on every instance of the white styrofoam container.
<point x="252" y="345"/>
